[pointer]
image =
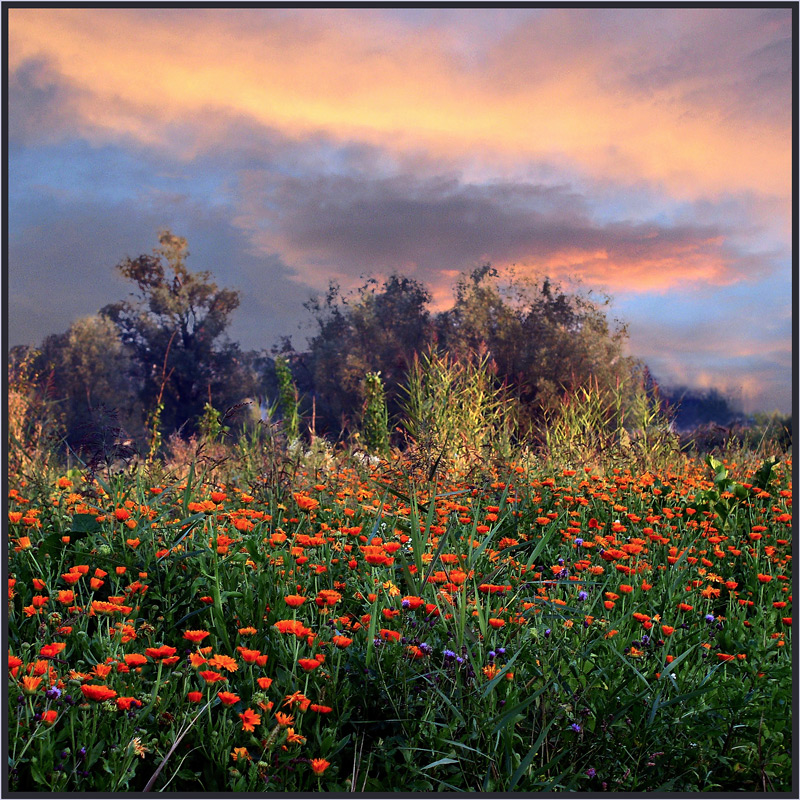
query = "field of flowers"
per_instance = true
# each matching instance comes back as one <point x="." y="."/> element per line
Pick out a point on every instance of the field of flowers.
<point x="372" y="628"/>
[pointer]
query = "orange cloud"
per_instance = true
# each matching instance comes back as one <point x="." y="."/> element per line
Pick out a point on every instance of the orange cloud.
<point x="355" y="76"/>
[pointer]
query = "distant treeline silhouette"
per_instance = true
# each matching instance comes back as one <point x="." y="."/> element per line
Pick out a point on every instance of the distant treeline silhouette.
<point x="158" y="362"/>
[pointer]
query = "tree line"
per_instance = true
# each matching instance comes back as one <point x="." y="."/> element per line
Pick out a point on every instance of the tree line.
<point x="161" y="360"/>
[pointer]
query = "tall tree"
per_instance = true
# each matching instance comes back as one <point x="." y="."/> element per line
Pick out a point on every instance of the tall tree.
<point x="86" y="371"/>
<point x="376" y="328"/>
<point x="542" y="339"/>
<point x="175" y="329"/>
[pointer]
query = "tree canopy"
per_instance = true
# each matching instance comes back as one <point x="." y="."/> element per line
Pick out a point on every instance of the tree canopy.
<point x="166" y="347"/>
<point x="175" y="328"/>
<point x="541" y="340"/>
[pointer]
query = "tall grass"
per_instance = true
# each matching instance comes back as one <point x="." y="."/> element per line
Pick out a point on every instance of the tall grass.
<point x="621" y="425"/>
<point x="454" y="412"/>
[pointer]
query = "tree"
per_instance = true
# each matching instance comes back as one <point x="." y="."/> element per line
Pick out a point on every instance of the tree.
<point x="543" y="341"/>
<point x="175" y="330"/>
<point x="86" y="371"/>
<point x="376" y="328"/>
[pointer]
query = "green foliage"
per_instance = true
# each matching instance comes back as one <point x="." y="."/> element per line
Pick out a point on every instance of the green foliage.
<point x="374" y="417"/>
<point x="287" y="399"/>
<point x="543" y="339"/>
<point x="34" y="424"/>
<point x="566" y="695"/>
<point x="611" y="425"/>
<point x="454" y="411"/>
<point x="210" y="425"/>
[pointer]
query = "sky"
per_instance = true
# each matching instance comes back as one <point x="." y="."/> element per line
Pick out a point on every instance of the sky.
<point x="643" y="153"/>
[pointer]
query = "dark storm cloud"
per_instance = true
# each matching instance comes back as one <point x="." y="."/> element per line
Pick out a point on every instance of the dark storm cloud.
<point x="355" y="223"/>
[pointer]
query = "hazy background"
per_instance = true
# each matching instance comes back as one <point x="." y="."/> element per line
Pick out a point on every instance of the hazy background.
<point x="646" y="152"/>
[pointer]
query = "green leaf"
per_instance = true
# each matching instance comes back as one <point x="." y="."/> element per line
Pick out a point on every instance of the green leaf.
<point x="525" y="763"/>
<point x="53" y="545"/>
<point x="508" y="715"/>
<point x="440" y="762"/>
<point x="85" y="523"/>
<point x="763" y="475"/>
<point x="95" y="753"/>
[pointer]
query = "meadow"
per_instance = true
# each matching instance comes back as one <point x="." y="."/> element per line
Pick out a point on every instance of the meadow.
<point x="286" y="617"/>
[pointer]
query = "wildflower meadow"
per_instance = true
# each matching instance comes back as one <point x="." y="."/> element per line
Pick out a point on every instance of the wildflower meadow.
<point x="296" y="617"/>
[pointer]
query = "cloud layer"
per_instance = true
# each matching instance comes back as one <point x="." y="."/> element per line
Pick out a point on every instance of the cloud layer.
<point x="645" y="152"/>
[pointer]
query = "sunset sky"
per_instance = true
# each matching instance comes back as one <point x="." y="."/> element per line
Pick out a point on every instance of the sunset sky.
<point x="645" y="152"/>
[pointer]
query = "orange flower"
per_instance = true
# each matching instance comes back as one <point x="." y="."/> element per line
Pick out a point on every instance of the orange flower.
<point x="194" y="697"/>
<point x="228" y="698"/>
<point x="342" y="641"/>
<point x="625" y="588"/>
<point x="122" y="514"/>
<point x="195" y="636"/>
<point x="102" y="670"/>
<point x="294" y="738"/>
<point x="240" y="752"/>
<point x="296" y="698"/>
<point x="292" y="626"/>
<point x="196" y="660"/>
<point x="133" y="543"/>
<point x="319" y="765"/>
<point x="264" y="683"/>
<point x="49" y="716"/>
<point x="135" y="659"/>
<point x="248" y="656"/>
<point x="496" y="623"/>
<point x="294" y="600"/>
<point x="30" y="684"/>
<point x="211" y="677"/>
<point x="668" y="630"/>
<point x="249" y="720"/>
<point x="125" y="703"/>
<point x="52" y="650"/>
<point x="164" y="651"/>
<point x="764" y="578"/>
<point x="725" y="657"/>
<point x="98" y="693"/>
<point x="306" y="503"/>
<point x="308" y="664"/>
<point x="225" y="662"/>
<point x="65" y="597"/>
<point x="284" y="719"/>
